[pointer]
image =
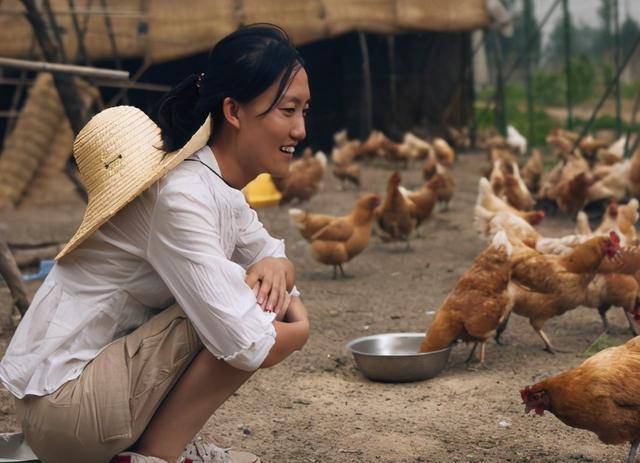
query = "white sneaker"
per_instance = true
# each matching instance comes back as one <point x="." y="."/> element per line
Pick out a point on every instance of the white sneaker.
<point x="131" y="457"/>
<point x="197" y="451"/>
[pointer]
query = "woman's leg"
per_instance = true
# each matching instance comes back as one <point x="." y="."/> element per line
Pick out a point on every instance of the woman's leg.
<point x="203" y="387"/>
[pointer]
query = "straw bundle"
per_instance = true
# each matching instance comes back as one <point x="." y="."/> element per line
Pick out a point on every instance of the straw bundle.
<point x="162" y="30"/>
<point x="39" y="131"/>
<point x="191" y="28"/>
<point x="59" y="152"/>
<point x="441" y="15"/>
<point x="126" y="20"/>
<point x="304" y="19"/>
<point x="367" y="15"/>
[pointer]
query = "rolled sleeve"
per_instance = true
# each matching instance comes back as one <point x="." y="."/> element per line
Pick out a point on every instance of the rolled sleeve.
<point x="186" y="249"/>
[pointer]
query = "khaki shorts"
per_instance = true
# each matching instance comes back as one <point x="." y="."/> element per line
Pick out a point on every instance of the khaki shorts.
<point x="106" y="409"/>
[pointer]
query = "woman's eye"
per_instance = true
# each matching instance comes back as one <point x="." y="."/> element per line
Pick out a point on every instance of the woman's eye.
<point x="289" y="110"/>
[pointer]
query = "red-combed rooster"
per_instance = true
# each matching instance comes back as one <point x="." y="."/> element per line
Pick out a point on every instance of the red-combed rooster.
<point x="600" y="395"/>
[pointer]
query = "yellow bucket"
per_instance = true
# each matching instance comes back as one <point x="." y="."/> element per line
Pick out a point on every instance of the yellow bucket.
<point x="261" y="191"/>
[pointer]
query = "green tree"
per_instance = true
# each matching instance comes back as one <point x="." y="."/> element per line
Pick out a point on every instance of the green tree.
<point x="629" y="32"/>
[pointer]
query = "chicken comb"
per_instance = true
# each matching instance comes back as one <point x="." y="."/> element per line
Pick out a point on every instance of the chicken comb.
<point x="613" y="236"/>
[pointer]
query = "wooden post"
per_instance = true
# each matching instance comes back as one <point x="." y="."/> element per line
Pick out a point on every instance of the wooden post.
<point x="616" y="59"/>
<point x="366" y="75"/>
<point x="391" y="48"/>
<point x="500" y="113"/>
<point x="567" y="61"/>
<point x="528" y="18"/>
<point x="11" y="274"/>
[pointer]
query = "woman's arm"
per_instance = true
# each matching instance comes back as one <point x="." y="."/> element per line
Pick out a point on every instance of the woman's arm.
<point x="291" y="334"/>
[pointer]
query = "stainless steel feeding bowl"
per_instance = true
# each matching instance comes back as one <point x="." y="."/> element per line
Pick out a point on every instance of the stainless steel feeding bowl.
<point x="394" y="357"/>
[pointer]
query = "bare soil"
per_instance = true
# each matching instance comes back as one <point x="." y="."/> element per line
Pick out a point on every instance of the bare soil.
<point x="317" y="406"/>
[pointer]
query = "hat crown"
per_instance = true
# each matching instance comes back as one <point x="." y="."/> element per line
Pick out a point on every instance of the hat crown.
<point x="115" y="143"/>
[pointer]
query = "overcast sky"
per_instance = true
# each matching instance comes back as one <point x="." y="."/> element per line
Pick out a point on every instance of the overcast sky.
<point x="583" y="11"/>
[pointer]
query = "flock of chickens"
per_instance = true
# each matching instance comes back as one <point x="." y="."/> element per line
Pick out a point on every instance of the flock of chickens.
<point x="336" y="240"/>
<point x="539" y="277"/>
<point x="521" y="271"/>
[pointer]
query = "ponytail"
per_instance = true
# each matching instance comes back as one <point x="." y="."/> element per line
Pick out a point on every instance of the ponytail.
<point x="179" y="116"/>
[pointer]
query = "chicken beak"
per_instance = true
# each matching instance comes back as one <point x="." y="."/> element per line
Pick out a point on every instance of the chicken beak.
<point x="527" y="409"/>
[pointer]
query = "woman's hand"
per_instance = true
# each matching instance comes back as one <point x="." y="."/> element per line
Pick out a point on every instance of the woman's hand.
<point x="271" y="279"/>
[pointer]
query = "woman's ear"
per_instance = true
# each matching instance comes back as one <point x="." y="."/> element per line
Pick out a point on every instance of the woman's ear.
<point x="230" y="110"/>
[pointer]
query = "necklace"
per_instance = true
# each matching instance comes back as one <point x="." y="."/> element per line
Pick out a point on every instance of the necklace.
<point x="216" y="173"/>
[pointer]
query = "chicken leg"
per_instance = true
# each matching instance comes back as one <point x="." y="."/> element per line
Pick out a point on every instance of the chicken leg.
<point x="548" y="346"/>
<point x="632" y="323"/>
<point x="473" y="350"/>
<point x="602" y="310"/>
<point x="335" y="272"/>
<point x="501" y="327"/>
<point x="633" y="451"/>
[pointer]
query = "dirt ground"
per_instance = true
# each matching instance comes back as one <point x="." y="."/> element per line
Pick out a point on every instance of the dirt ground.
<point x="317" y="407"/>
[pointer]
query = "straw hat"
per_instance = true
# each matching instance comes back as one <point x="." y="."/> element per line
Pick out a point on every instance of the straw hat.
<point x="118" y="156"/>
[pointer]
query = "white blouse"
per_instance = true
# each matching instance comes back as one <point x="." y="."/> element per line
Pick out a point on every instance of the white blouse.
<point x="188" y="238"/>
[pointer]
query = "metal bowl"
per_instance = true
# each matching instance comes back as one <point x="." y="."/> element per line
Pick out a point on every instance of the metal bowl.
<point x="394" y="357"/>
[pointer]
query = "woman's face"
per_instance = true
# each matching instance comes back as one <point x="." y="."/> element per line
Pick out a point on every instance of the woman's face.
<point x="266" y="143"/>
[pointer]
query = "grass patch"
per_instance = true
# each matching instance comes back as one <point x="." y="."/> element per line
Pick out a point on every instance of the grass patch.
<point x="603" y="341"/>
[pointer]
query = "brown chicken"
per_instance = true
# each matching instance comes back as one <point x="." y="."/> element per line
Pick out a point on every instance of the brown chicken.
<point x="394" y="152"/>
<point x="347" y="173"/>
<point x="613" y="290"/>
<point x="571" y="195"/>
<point x="304" y="179"/>
<point x="634" y="174"/>
<point x="445" y="193"/>
<point x="345" y="237"/>
<point x="345" y="153"/>
<point x="309" y="223"/>
<point x="459" y="136"/>
<point x="489" y="201"/>
<point x="429" y="168"/>
<point x="418" y="147"/>
<point x="370" y="147"/>
<point x="600" y="395"/>
<point x="546" y="286"/>
<point x="445" y="154"/>
<point x="516" y="192"/>
<point x="394" y="216"/>
<point x="532" y="170"/>
<point x="423" y="201"/>
<point x="478" y="304"/>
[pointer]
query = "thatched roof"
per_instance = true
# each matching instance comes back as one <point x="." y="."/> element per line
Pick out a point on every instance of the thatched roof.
<point x="162" y="30"/>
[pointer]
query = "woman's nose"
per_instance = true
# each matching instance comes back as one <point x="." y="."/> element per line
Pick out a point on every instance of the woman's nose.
<point x="299" y="131"/>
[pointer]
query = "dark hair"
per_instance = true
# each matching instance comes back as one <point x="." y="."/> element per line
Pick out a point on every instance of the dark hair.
<point x="241" y="66"/>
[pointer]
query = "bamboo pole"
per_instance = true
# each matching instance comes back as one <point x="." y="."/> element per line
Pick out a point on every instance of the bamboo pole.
<point x="58" y="68"/>
<point x="100" y="83"/>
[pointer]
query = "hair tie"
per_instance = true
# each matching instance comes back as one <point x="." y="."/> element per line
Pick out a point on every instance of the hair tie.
<point x="199" y="79"/>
